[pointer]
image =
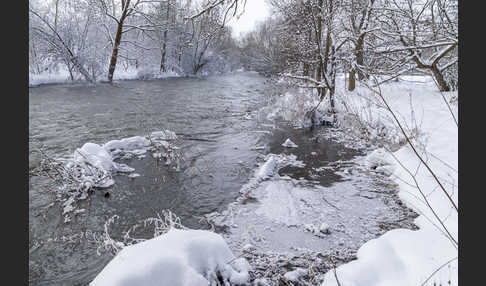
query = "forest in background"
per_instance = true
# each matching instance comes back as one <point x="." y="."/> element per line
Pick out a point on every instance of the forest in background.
<point x="309" y="41"/>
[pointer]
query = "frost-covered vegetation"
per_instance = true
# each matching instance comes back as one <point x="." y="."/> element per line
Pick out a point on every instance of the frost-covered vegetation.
<point x="92" y="166"/>
<point x="101" y="40"/>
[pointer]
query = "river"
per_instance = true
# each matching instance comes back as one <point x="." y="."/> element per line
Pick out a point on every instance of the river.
<point x="219" y="121"/>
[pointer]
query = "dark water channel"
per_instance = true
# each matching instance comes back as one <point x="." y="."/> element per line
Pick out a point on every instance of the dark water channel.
<point x="219" y="120"/>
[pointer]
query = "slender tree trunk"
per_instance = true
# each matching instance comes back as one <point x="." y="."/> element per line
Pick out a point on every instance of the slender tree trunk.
<point x="358" y="51"/>
<point x="116" y="44"/>
<point x="55" y="17"/>
<point x="329" y="43"/>
<point x="163" y="60"/>
<point x="306" y="68"/>
<point x="359" y="57"/>
<point x="320" y="67"/>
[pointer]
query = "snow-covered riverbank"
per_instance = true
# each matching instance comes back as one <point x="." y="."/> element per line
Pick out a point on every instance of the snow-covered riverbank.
<point x="62" y="76"/>
<point x="401" y="256"/>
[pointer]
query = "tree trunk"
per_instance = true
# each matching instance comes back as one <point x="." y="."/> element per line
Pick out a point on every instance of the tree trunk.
<point x="55" y="17"/>
<point x="359" y="57"/>
<point x="352" y="80"/>
<point x="320" y="67"/>
<point x="116" y="44"/>
<point x="163" y="60"/>
<point x="332" y="73"/>
<point x="306" y="68"/>
<point x="439" y="77"/>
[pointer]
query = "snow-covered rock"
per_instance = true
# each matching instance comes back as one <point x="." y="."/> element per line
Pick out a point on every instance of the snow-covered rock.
<point x="179" y="257"/>
<point x="94" y="155"/>
<point x="289" y="144"/>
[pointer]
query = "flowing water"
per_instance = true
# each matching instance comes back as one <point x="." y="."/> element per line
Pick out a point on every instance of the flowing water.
<point x="219" y="120"/>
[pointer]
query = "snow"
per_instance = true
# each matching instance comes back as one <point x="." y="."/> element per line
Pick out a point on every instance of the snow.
<point x="380" y="161"/>
<point x="95" y="155"/>
<point x="318" y="230"/>
<point x="127" y="144"/>
<point x="400" y="256"/>
<point x="295" y="275"/>
<point x="275" y="162"/>
<point x="61" y="76"/>
<point x="178" y="257"/>
<point x="289" y="144"/>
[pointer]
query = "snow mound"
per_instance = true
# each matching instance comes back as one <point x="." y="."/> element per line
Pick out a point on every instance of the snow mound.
<point x="127" y="144"/>
<point x="296" y="274"/>
<point x="179" y="257"/>
<point x="94" y="155"/>
<point x="97" y="156"/>
<point x="289" y="144"/>
<point x="378" y="158"/>
<point x="380" y="161"/>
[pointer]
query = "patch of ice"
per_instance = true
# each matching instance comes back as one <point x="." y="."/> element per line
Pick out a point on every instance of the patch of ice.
<point x="275" y="162"/>
<point x="278" y="204"/>
<point x="257" y="148"/>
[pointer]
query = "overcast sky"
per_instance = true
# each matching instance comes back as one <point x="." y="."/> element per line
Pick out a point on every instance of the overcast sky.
<point x="255" y="11"/>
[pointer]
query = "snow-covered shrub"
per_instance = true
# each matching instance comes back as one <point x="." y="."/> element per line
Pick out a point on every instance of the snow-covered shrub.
<point x="92" y="166"/>
<point x="175" y="256"/>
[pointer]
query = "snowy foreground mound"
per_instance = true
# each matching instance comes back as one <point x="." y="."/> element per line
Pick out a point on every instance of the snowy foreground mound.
<point x="176" y="258"/>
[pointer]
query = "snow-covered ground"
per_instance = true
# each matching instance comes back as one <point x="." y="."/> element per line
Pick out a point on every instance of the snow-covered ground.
<point x="62" y="76"/>
<point x="400" y="256"/>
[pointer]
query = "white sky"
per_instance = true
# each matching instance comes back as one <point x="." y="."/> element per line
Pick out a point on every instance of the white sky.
<point x="255" y="11"/>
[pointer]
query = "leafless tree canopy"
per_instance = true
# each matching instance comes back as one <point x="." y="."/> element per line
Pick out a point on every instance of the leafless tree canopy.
<point x="311" y="40"/>
<point x="93" y="39"/>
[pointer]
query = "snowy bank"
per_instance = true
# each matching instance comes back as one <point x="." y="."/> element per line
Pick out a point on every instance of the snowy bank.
<point x="400" y="256"/>
<point x="62" y="76"/>
<point x="178" y="257"/>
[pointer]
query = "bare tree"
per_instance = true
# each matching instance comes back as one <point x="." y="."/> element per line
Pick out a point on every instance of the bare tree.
<point x="423" y="39"/>
<point x="61" y="42"/>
